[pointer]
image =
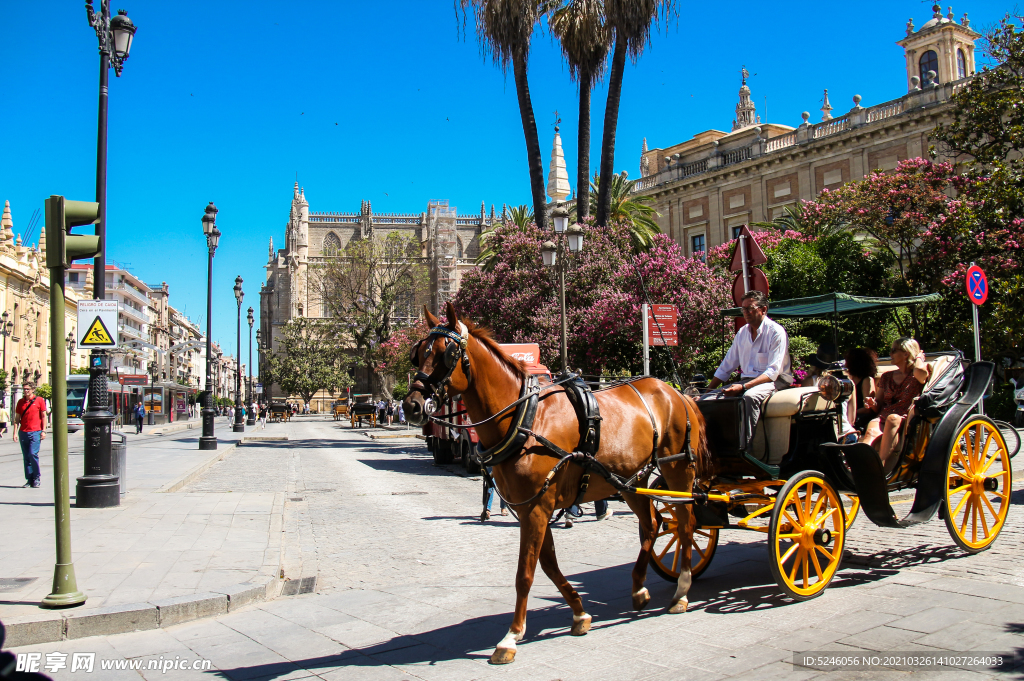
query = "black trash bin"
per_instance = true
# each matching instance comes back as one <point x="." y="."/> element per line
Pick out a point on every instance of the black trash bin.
<point x="119" y="452"/>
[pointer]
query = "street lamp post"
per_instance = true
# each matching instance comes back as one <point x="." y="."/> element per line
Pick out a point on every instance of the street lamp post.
<point x="152" y="393"/>
<point x="239" y="425"/>
<point x="259" y="359"/>
<point x="251" y="420"/>
<point x="208" y="440"/>
<point x="71" y="345"/>
<point x="100" y="487"/>
<point x="554" y="256"/>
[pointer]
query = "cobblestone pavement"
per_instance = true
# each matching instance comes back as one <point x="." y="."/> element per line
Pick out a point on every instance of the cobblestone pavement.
<point x="413" y="586"/>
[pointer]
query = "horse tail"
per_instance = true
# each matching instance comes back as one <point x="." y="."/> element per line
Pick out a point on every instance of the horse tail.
<point x="705" y="465"/>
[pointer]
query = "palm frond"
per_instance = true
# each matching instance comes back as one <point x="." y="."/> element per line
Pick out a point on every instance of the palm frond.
<point x="584" y="37"/>
<point x="628" y="208"/>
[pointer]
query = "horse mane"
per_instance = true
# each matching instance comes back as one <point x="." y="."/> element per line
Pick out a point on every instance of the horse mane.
<point x="483" y="334"/>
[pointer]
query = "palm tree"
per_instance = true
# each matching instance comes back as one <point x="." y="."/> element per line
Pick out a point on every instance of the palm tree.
<point x="521" y="216"/>
<point x="504" y="29"/>
<point x="629" y="209"/>
<point x="631" y="22"/>
<point x="581" y="30"/>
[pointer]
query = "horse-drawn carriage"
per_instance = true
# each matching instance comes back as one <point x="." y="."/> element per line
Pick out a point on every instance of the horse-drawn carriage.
<point x="362" y="407"/>
<point x="790" y="479"/>
<point x="280" y="412"/>
<point x="339" y="409"/>
<point x="793" y="481"/>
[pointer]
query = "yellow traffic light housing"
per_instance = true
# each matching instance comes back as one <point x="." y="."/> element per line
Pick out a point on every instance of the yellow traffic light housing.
<point x="62" y="247"/>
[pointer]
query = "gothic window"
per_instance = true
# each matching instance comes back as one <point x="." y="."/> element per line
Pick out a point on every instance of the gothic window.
<point x="332" y="244"/>
<point x="961" y="64"/>
<point x="17" y="322"/>
<point x="929" y="62"/>
<point x="38" y="325"/>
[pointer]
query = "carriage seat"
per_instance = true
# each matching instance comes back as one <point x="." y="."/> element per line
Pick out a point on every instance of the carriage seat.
<point x="787" y="402"/>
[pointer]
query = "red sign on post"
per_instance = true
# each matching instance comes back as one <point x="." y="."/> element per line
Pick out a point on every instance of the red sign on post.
<point x="133" y="379"/>
<point x="977" y="285"/>
<point x="662" y="326"/>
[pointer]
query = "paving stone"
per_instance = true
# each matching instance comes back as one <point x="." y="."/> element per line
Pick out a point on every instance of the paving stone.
<point x="931" y="620"/>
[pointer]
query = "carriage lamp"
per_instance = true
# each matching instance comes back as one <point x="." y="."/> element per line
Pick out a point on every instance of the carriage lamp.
<point x="549" y="252"/>
<point x="834" y="389"/>
<point x="560" y="218"/>
<point x="575" y="239"/>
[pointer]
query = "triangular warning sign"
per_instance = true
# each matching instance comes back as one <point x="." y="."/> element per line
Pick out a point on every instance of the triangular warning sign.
<point x="97" y="334"/>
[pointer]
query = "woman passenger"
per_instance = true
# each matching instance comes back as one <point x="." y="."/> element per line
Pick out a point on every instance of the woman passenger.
<point x="894" y="395"/>
<point x="862" y="367"/>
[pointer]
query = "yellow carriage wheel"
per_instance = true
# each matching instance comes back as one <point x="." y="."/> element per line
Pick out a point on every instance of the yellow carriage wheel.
<point x="665" y="551"/>
<point x="978" y="485"/>
<point x="806" y="535"/>
<point x="851" y="510"/>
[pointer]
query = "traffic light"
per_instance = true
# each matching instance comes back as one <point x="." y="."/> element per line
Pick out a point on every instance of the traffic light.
<point x="62" y="247"/>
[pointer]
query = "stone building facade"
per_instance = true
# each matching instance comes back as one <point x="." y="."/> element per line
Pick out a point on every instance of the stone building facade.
<point x="449" y="244"/>
<point x="25" y="297"/>
<point x="706" y="187"/>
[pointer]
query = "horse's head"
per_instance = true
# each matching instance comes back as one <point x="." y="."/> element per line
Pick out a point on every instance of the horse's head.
<point x="443" y="366"/>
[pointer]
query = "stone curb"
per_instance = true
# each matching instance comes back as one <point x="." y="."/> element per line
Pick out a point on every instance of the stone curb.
<point x="193" y="474"/>
<point x="64" y="625"/>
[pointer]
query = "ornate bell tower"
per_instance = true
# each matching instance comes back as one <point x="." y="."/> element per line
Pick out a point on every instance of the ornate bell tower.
<point x="942" y="46"/>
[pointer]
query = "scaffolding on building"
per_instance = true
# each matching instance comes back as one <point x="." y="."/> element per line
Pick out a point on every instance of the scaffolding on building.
<point x="444" y="248"/>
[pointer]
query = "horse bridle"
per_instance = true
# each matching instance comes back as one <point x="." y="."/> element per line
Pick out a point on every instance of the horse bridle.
<point x="434" y="389"/>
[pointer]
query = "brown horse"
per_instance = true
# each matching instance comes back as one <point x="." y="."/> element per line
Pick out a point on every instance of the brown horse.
<point x="493" y="381"/>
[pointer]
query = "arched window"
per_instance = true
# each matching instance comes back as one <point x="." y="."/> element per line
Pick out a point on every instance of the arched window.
<point x="17" y="322"/>
<point x="332" y="244"/>
<point x="961" y="64"/>
<point x="38" y="325"/>
<point x="929" y="62"/>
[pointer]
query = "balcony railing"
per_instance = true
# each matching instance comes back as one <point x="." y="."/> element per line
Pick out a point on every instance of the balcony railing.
<point x="130" y="291"/>
<point x="137" y="315"/>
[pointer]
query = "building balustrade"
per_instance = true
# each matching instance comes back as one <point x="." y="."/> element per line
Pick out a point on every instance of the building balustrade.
<point x="675" y="169"/>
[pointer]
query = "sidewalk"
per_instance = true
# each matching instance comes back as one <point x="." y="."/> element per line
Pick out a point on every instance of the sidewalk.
<point x="163" y="556"/>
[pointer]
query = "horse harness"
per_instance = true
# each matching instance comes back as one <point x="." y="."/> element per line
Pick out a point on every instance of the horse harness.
<point x="581" y="396"/>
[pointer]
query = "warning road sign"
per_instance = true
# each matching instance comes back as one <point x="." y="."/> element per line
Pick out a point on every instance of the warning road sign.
<point x="97" y="324"/>
<point x="977" y="285"/>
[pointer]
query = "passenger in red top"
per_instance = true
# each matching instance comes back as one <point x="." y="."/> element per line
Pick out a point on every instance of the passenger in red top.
<point x="895" y="393"/>
<point x="30" y="419"/>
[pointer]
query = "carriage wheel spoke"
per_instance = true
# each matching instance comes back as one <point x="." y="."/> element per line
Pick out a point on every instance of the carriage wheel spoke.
<point x="831" y="557"/>
<point x="668" y="546"/>
<point x="807" y="569"/>
<point x="967" y="513"/>
<point x="822" y="498"/>
<point x="788" y="553"/>
<point x="988" y="464"/>
<point x="956" y="511"/>
<point x="974" y="519"/>
<point x="959" y="489"/>
<point x="991" y="508"/>
<point x="702" y="533"/>
<point x="962" y="457"/>
<point x="796" y="564"/>
<point x="808" y="498"/>
<point x="676" y="556"/>
<point x="817" y="565"/>
<point x="792" y="522"/>
<point x="789" y="536"/>
<point x="697" y="548"/>
<point x="981" y="514"/>
<point x="957" y="473"/>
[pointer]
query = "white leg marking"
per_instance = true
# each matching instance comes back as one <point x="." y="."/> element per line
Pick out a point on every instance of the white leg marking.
<point x="510" y="640"/>
<point x="682" y="585"/>
<point x="576" y="619"/>
<point x="641" y="592"/>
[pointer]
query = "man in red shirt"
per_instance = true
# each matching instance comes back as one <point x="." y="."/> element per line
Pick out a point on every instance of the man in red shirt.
<point x="30" y="420"/>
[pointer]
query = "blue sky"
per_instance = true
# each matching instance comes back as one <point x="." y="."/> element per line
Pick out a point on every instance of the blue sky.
<point x="227" y="101"/>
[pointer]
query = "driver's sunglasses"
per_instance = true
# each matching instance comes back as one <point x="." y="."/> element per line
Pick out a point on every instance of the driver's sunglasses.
<point x="749" y="309"/>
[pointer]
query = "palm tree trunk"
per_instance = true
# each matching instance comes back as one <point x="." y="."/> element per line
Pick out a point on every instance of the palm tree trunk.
<point x="611" y="120"/>
<point x="583" y="150"/>
<point x="533" y="156"/>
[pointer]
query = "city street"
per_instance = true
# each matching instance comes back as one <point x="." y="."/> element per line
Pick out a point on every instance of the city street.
<point x="411" y="585"/>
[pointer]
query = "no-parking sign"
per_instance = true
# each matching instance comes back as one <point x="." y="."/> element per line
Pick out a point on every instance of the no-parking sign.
<point x="977" y="285"/>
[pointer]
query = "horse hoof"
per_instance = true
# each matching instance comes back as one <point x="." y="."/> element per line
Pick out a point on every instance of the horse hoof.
<point x="641" y="598"/>
<point x="580" y="626"/>
<point x="679" y="607"/>
<point x="503" y="655"/>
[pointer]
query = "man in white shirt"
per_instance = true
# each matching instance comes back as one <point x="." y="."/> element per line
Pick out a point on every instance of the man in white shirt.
<point x="760" y="351"/>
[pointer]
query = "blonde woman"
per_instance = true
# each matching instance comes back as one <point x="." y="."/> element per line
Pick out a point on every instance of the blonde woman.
<point x="895" y="393"/>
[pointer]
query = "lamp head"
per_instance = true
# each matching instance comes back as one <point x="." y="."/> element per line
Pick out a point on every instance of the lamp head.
<point x="250" y="318"/>
<point x="575" y="239"/>
<point x="560" y="218"/>
<point x="124" y="32"/>
<point x="550" y="254"/>
<point x="210" y="219"/>
<point x="238" y="290"/>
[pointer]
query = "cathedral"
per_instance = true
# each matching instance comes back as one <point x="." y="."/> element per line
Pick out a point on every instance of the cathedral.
<point x="449" y="243"/>
<point x="705" y="188"/>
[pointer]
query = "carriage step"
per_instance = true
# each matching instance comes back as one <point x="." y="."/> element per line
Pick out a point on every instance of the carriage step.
<point x="767" y="468"/>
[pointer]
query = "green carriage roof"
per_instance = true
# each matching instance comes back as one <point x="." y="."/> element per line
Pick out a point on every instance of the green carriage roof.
<point x="834" y="304"/>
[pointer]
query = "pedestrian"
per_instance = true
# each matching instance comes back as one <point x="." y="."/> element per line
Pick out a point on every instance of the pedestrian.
<point x="30" y="417"/>
<point x="381" y="412"/>
<point x="140" y="414"/>
<point x="401" y="413"/>
<point x="600" y="510"/>
<point x="263" y="416"/>
<point x="5" y="417"/>
<point x="391" y="412"/>
<point x="489" y="497"/>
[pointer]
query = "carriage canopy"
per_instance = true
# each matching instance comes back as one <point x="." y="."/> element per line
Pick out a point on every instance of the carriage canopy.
<point x="834" y="304"/>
